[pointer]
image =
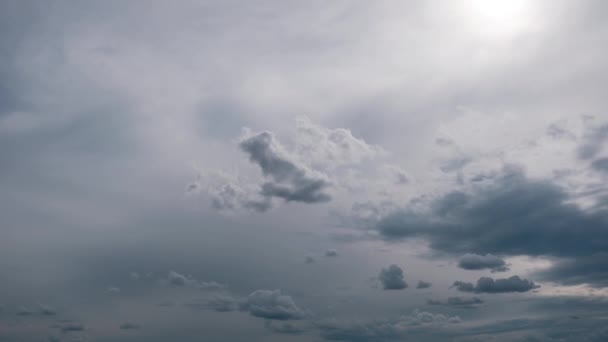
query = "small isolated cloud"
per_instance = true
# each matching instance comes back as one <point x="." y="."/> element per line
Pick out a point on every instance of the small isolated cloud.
<point x="177" y="279"/>
<point x="331" y="253"/>
<point x="47" y="310"/>
<point x="490" y="285"/>
<point x="130" y="326"/>
<point x="481" y="262"/>
<point x="309" y="259"/>
<point x="113" y="289"/>
<point x="392" y="278"/>
<point x="467" y="302"/>
<point x="423" y="284"/>
<point x="271" y="304"/>
<point x="222" y="303"/>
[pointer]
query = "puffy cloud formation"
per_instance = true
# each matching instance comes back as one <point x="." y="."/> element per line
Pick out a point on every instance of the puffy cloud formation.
<point x="480" y="262"/>
<point x="416" y="325"/>
<point x="423" y="284"/>
<point x="457" y="301"/>
<point x="271" y="304"/>
<point x="309" y="259"/>
<point x="512" y="215"/>
<point x="287" y="179"/>
<point x="327" y="149"/>
<point x="24" y="311"/>
<point x="297" y="174"/>
<point x="392" y="278"/>
<point x="490" y="285"/>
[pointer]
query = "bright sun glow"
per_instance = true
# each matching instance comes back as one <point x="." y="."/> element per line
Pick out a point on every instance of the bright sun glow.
<point x="500" y="17"/>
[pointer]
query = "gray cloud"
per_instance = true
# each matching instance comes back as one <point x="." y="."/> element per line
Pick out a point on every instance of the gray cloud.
<point x="418" y="324"/>
<point x="271" y="304"/>
<point x="392" y="278"/>
<point x="222" y="303"/>
<point x="600" y="164"/>
<point x="290" y="181"/>
<point x="490" y="285"/>
<point x="331" y="253"/>
<point x="593" y="140"/>
<point x="457" y="302"/>
<point x="284" y="327"/>
<point x="47" y="310"/>
<point x="591" y="270"/>
<point x="480" y="262"/>
<point x="423" y="285"/>
<point x="513" y="215"/>
<point x="72" y="327"/>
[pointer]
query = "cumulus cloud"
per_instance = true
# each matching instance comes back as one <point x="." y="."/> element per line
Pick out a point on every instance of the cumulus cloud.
<point x="457" y="302"/>
<point x="288" y="180"/>
<point x="416" y="325"/>
<point x="309" y="259"/>
<point x="490" y="285"/>
<point x="271" y="304"/>
<point x="480" y="262"/>
<point x="392" y="278"/>
<point x="327" y="149"/>
<point x="423" y="284"/>
<point x="512" y="215"/>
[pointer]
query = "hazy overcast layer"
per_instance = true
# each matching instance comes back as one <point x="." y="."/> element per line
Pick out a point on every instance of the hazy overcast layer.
<point x="304" y="171"/>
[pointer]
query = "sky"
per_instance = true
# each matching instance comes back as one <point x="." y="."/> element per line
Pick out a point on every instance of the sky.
<point x="303" y="171"/>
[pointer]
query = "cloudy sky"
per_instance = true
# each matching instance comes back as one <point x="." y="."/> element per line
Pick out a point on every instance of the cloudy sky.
<point x="303" y="170"/>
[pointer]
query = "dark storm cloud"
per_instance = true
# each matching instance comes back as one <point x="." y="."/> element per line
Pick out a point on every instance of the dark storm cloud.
<point x="490" y="285"/>
<point x="480" y="262"/>
<point x="392" y="278"/>
<point x="513" y="215"/>
<point x="271" y="304"/>
<point x="423" y="285"/>
<point x="290" y="181"/>
<point x="591" y="270"/>
<point x="457" y="302"/>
